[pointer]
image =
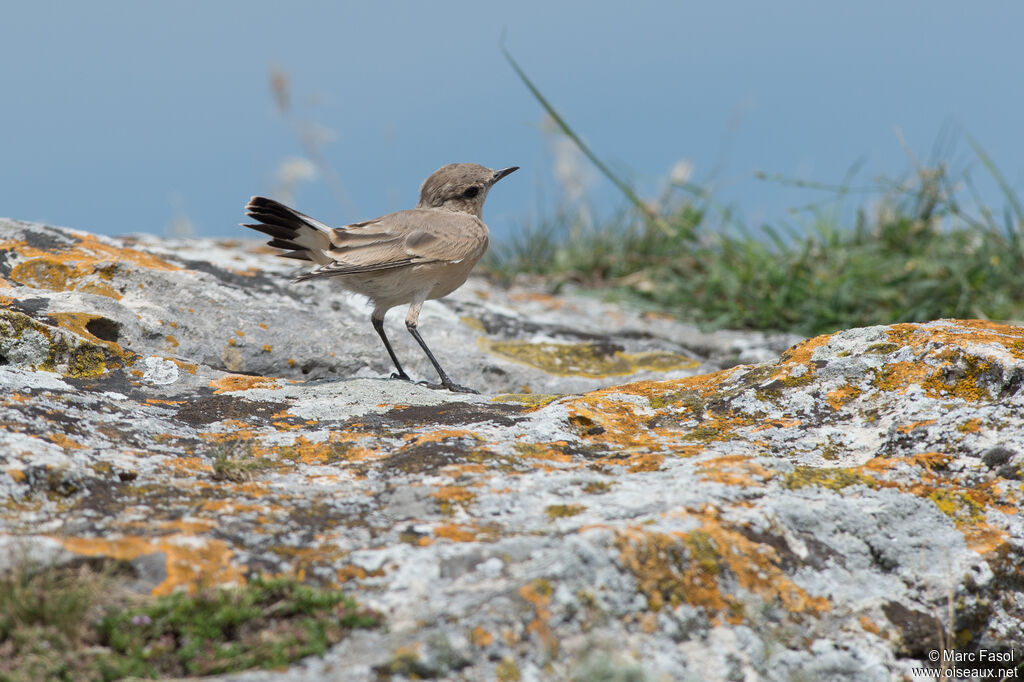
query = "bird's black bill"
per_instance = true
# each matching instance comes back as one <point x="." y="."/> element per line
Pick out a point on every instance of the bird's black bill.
<point x="499" y="174"/>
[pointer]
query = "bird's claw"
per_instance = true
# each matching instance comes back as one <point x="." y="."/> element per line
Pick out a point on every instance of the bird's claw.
<point x="455" y="388"/>
<point x="449" y="386"/>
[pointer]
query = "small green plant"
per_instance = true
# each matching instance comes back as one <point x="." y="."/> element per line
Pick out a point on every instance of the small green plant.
<point x="917" y="249"/>
<point x="561" y="511"/>
<point x="265" y="624"/>
<point x="235" y="461"/>
<point x="45" y="615"/>
<point x="75" y="623"/>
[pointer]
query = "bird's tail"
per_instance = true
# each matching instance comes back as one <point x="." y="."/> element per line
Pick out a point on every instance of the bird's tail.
<point x="302" y="237"/>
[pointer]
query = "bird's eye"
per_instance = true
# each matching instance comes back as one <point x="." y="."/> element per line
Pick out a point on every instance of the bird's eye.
<point x="471" y="192"/>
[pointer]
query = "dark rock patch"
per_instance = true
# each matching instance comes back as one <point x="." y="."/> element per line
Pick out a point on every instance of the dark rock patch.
<point x="220" y="407"/>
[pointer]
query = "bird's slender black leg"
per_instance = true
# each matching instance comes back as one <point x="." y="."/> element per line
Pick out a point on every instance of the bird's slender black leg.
<point x="445" y="381"/>
<point x="378" y="324"/>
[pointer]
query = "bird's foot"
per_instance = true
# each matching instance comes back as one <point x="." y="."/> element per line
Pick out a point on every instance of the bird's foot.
<point x="449" y="386"/>
<point x="455" y="388"/>
<point x="400" y="375"/>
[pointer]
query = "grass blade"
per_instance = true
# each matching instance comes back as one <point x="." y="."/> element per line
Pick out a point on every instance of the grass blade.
<point x="638" y="203"/>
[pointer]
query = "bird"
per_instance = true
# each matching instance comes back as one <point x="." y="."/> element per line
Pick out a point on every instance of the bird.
<point x="408" y="256"/>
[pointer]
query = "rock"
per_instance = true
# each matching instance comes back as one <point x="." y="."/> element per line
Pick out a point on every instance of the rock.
<point x="623" y="498"/>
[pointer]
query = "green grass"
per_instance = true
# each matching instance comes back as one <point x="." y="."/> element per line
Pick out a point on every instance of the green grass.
<point x="914" y="256"/>
<point x="235" y="460"/>
<point x="63" y="623"/>
<point x="911" y="251"/>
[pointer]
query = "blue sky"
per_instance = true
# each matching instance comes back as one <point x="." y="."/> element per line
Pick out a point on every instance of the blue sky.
<point x="121" y="116"/>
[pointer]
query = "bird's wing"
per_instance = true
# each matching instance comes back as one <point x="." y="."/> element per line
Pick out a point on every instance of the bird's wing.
<point x="412" y="237"/>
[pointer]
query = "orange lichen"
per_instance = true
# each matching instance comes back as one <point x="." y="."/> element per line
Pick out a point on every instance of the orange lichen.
<point x="448" y="496"/>
<point x="481" y="637"/>
<point x="538" y="595"/>
<point x="694" y="567"/>
<point x="907" y="428"/>
<point x="350" y="572"/>
<point x="959" y="332"/>
<point x="649" y="622"/>
<point x="188" y="464"/>
<point x="42" y="273"/>
<point x="232" y="506"/>
<point x="63" y="441"/>
<point x="983" y="537"/>
<point x="89" y="254"/>
<point x="927" y="460"/>
<point x="612" y="422"/>
<point x="963" y="383"/>
<point x="553" y="452"/>
<point x="79" y="323"/>
<point x="337" y="448"/>
<point x="778" y="424"/>
<point x="899" y="376"/>
<point x="192" y="526"/>
<point x="647" y="462"/>
<point x="970" y="426"/>
<point x="842" y="395"/>
<point x="967" y="506"/>
<point x="171" y="341"/>
<point x="801" y="353"/>
<point x="455" y="532"/>
<point x="182" y="365"/>
<point x="944" y="367"/>
<point x="81" y="266"/>
<point x="530" y="401"/>
<point x="870" y="625"/>
<point x="241" y="382"/>
<point x="734" y="470"/>
<point x="703" y="385"/>
<point x="100" y="289"/>
<point x="190" y="561"/>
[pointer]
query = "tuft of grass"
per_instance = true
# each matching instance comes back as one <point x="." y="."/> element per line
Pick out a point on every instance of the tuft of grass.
<point x="45" y="629"/>
<point x="561" y="511"/>
<point x="266" y="624"/>
<point x="236" y="461"/>
<point x="917" y="249"/>
<point x="915" y="256"/>
<point x="74" y="623"/>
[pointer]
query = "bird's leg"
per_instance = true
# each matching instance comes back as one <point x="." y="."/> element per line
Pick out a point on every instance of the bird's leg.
<point x="378" y="324"/>
<point x="410" y="323"/>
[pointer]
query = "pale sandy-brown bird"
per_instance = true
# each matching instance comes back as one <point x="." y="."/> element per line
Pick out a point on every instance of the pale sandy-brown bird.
<point x="404" y="257"/>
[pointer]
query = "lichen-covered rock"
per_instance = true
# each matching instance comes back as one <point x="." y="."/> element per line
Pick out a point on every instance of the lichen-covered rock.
<point x="651" y="507"/>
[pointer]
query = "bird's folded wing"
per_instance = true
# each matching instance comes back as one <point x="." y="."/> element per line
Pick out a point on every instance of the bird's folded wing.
<point x="413" y="237"/>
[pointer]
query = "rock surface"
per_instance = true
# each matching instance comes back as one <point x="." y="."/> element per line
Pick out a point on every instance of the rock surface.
<point x="623" y="497"/>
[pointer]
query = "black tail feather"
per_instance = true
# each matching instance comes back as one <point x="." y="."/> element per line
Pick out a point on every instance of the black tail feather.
<point x="275" y="231"/>
<point x="284" y="244"/>
<point x="282" y="224"/>
<point x="281" y="220"/>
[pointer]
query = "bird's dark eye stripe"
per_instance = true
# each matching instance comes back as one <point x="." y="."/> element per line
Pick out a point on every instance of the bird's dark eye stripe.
<point x="471" y="192"/>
